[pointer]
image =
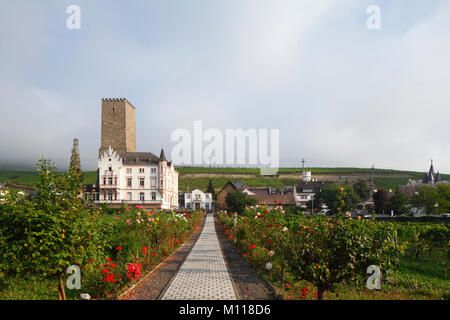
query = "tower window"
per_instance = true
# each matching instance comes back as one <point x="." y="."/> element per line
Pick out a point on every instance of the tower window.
<point x="113" y="110"/>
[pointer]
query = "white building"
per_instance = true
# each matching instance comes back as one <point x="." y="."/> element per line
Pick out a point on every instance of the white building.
<point x="304" y="192"/>
<point x="197" y="199"/>
<point x="137" y="178"/>
<point x="306" y="176"/>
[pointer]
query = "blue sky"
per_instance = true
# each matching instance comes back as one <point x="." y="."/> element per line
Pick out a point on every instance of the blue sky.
<point x="341" y="95"/>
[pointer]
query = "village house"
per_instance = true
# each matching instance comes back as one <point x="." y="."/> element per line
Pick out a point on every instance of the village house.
<point x="267" y="196"/>
<point x="221" y="200"/>
<point x="271" y="197"/>
<point x="198" y="199"/>
<point x="305" y="191"/>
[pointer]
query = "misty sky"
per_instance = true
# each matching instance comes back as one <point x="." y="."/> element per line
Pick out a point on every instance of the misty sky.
<point x="341" y="95"/>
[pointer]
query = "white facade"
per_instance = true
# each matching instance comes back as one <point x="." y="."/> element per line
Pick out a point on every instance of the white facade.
<point x="197" y="199"/>
<point x="307" y="176"/>
<point x="137" y="178"/>
<point x="302" y="197"/>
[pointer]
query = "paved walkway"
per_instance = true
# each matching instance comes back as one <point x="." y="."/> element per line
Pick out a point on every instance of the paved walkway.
<point x="203" y="275"/>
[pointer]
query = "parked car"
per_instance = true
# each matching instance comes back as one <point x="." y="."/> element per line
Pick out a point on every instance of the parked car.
<point x="447" y="215"/>
<point x="323" y="212"/>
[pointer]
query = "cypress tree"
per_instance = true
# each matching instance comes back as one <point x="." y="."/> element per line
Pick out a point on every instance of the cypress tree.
<point x="75" y="163"/>
<point x="210" y="189"/>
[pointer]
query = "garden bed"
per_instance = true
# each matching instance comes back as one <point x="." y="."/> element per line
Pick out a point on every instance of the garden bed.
<point x="247" y="283"/>
<point x="152" y="286"/>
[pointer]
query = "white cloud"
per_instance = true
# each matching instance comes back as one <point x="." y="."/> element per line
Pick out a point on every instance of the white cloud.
<point x="339" y="94"/>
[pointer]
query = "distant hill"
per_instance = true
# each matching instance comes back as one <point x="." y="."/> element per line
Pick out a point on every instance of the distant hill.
<point x="198" y="177"/>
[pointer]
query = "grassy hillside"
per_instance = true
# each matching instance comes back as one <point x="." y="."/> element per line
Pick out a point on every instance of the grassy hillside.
<point x="256" y="171"/>
<point x="31" y="178"/>
<point x="218" y="183"/>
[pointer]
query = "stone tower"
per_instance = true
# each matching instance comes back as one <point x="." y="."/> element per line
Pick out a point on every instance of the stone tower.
<point x="118" y="126"/>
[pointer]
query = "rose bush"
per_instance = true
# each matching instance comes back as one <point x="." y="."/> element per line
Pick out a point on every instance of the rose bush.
<point x="323" y="251"/>
<point x="43" y="236"/>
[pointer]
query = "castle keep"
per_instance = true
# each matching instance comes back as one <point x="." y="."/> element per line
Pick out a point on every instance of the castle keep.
<point x="118" y="126"/>
<point x="126" y="176"/>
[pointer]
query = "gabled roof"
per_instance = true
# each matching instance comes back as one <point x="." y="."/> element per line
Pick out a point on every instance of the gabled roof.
<point x="238" y="184"/>
<point x="265" y="198"/>
<point x="408" y="190"/>
<point x="299" y="186"/>
<point x="139" y="157"/>
<point x="226" y="184"/>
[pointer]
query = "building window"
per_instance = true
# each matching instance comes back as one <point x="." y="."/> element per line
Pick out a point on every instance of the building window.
<point x="153" y="182"/>
<point x="104" y="180"/>
<point x="188" y="195"/>
<point x="110" y="180"/>
<point x="207" y="205"/>
<point x="153" y="170"/>
<point x="129" y="196"/>
<point x="109" y="196"/>
<point x="109" y="169"/>
<point x="129" y="170"/>
<point x="142" y="196"/>
<point x="188" y="206"/>
<point x="161" y="182"/>
<point x="153" y="195"/>
<point x="141" y="170"/>
<point x="141" y="182"/>
<point x="115" y="180"/>
<point x="129" y="182"/>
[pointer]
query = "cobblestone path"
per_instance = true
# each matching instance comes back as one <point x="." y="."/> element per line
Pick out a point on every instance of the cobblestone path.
<point x="203" y="275"/>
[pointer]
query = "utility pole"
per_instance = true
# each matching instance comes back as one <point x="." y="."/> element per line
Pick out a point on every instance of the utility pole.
<point x="373" y="168"/>
<point x="303" y="165"/>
